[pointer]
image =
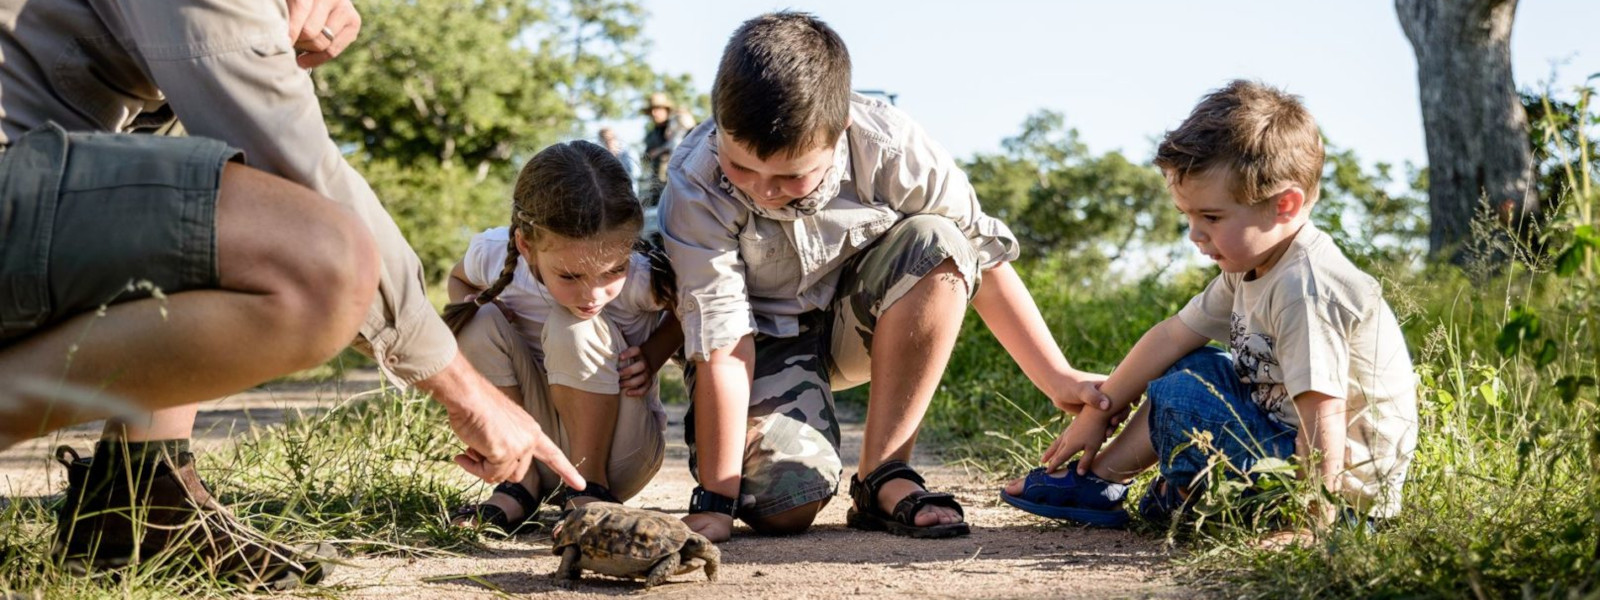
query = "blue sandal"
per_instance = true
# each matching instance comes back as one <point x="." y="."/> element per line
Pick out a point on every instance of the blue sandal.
<point x="1084" y="499"/>
<point x="1162" y="501"/>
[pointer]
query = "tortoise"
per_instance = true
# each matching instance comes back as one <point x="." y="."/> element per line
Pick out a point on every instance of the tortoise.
<point x="613" y="539"/>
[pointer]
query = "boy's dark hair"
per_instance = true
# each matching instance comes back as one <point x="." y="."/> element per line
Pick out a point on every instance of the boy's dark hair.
<point x="783" y="85"/>
<point x="1260" y="136"/>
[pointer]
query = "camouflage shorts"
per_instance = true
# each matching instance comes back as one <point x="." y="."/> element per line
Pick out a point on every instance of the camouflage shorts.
<point x="792" y="441"/>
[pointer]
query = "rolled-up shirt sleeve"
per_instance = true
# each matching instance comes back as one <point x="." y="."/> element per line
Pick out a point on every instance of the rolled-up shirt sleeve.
<point x="228" y="70"/>
<point x="922" y="178"/>
<point x="701" y="235"/>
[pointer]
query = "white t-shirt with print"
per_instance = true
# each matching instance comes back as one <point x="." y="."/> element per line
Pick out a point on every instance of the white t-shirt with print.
<point x="635" y="312"/>
<point x="1316" y="323"/>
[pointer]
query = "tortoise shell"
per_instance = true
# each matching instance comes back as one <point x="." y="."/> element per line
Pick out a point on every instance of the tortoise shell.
<point x="621" y="541"/>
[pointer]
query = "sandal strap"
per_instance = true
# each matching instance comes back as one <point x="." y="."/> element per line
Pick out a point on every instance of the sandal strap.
<point x="483" y="512"/>
<point x="864" y="491"/>
<point x="592" y="490"/>
<point x="906" y="510"/>
<point x="524" y="498"/>
<point x="63" y="451"/>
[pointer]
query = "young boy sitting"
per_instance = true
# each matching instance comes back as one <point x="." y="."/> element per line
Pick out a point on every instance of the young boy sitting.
<point x="821" y="240"/>
<point x="1318" y="367"/>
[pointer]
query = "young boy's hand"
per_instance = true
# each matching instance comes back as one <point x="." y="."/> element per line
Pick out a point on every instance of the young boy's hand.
<point x="1086" y="434"/>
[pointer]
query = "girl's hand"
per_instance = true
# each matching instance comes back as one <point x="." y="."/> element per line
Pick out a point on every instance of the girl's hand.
<point x="636" y="373"/>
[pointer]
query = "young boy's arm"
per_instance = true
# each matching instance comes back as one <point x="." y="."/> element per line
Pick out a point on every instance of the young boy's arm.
<point x="1008" y="310"/>
<point x="1321" y="448"/>
<point x="1150" y="357"/>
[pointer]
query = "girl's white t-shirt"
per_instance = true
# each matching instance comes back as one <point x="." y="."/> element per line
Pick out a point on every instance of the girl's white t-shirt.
<point x="635" y="311"/>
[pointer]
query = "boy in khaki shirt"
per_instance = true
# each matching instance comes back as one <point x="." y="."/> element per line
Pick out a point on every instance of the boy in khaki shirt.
<point x="822" y="240"/>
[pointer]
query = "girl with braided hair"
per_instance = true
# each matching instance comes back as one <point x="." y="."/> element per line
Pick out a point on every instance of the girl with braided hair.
<point x="560" y="312"/>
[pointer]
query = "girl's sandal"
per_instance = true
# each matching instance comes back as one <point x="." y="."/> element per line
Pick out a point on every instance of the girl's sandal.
<point x="592" y="490"/>
<point x="865" y="515"/>
<point x="492" y="517"/>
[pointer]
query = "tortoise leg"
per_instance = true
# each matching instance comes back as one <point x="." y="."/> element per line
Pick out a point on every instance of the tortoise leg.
<point x="663" y="569"/>
<point x="568" y="573"/>
<point x="704" y="550"/>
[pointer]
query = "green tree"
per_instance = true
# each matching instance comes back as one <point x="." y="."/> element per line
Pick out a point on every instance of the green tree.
<point x="1060" y="198"/>
<point x="439" y="99"/>
<point x="1368" y="220"/>
<point x="1092" y="210"/>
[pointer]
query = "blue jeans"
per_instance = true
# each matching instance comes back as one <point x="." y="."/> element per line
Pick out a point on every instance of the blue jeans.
<point x="1202" y="393"/>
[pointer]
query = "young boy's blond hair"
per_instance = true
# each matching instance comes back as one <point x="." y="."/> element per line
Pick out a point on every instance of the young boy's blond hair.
<point x="1260" y="136"/>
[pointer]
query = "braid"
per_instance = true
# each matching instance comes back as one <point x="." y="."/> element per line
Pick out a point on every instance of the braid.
<point x="458" y="314"/>
<point x="507" y="273"/>
<point x="663" y="280"/>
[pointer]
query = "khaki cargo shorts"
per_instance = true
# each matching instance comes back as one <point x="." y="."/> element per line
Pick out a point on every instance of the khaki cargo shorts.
<point x="792" y="441"/>
<point x="90" y="219"/>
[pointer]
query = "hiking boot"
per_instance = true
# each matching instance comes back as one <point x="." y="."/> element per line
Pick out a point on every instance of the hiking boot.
<point x="144" y="502"/>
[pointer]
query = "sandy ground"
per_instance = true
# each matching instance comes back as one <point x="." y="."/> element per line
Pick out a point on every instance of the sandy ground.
<point x="1008" y="555"/>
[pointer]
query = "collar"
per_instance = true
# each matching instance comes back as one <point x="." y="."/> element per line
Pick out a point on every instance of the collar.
<point x="798" y="208"/>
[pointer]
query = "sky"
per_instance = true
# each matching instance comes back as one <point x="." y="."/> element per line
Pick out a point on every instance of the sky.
<point x="1123" y="72"/>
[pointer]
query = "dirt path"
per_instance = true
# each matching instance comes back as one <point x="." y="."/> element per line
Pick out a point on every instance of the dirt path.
<point x="1009" y="554"/>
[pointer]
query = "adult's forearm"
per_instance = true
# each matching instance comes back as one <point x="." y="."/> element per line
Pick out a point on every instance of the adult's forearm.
<point x="456" y="386"/>
<point x="721" y="407"/>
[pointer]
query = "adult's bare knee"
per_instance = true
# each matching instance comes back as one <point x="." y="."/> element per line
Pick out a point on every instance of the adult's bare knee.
<point x="790" y="522"/>
<point x="312" y="264"/>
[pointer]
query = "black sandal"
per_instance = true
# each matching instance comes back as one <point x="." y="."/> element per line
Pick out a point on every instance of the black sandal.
<point x="486" y="514"/>
<point x="865" y="514"/>
<point x="592" y="490"/>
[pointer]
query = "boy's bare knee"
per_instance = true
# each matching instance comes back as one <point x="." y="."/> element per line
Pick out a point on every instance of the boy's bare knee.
<point x="946" y="276"/>
<point x="790" y="522"/>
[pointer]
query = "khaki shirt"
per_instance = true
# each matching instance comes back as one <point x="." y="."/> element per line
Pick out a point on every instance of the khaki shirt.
<point x="227" y="69"/>
<point x="740" y="273"/>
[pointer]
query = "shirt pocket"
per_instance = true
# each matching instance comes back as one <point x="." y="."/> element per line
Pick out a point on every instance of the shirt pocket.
<point x="771" y="266"/>
<point x="100" y="81"/>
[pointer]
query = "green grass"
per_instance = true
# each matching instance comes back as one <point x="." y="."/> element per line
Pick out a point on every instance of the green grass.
<point x="372" y="476"/>
<point x="1501" y="500"/>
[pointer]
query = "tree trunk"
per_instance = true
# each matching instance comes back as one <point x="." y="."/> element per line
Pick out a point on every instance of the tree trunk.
<point x="1477" y="132"/>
